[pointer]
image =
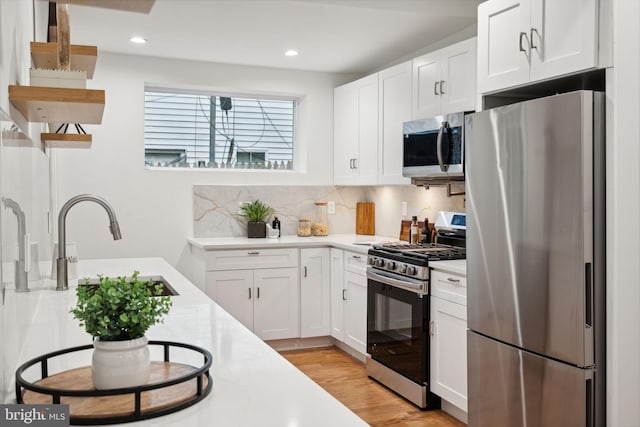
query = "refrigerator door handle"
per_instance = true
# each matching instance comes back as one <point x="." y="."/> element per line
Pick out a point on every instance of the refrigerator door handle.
<point x="588" y="295"/>
<point x="443" y="167"/>
<point x="589" y="404"/>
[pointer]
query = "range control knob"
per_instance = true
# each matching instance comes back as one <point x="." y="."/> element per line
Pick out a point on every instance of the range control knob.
<point x="412" y="271"/>
<point x="370" y="260"/>
<point x="403" y="268"/>
<point x="391" y="265"/>
<point x="380" y="262"/>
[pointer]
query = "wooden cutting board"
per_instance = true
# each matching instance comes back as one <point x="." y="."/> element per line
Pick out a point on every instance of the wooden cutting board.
<point x="366" y="218"/>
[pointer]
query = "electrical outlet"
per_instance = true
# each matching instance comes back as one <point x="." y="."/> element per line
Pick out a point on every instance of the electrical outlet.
<point x="405" y="209"/>
<point x="331" y="207"/>
<point x="240" y="204"/>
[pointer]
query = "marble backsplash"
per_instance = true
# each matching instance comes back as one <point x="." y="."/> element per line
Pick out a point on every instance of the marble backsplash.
<point x="215" y="207"/>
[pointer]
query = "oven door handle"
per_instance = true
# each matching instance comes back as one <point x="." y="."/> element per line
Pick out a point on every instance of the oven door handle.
<point x="406" y="283"/>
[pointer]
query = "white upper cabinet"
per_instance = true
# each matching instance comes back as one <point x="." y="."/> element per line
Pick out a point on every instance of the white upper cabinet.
<point x="444" y="81"/>
<point x="563" y="37"/>
<point x="355" y="127"/>
<point x="520" y="41"/>
<point x="394" y="106"/>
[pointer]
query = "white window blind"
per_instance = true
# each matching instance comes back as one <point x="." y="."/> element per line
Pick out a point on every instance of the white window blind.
<point x="216" y="131"/>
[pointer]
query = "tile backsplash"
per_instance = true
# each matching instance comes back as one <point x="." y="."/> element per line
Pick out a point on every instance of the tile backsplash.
<point x="215" y="207"/>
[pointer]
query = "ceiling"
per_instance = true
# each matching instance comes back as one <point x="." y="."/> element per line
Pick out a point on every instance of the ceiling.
<point x="341" y="36"/>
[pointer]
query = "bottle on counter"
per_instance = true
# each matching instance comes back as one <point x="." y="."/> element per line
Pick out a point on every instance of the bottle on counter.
<point x="426" y="232"/>
<point x="276" y="225"/>
<point x="413" y="235"/>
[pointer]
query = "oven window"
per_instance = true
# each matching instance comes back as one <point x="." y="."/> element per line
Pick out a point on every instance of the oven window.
<point x="395" y="330"/>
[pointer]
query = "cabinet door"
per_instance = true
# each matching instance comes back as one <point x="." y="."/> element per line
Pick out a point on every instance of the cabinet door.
<point x="458" y="84"/>
<point x="276" y="305"/>
<point x="501" y="63"/>
<point x="448" y="351"/>
<point x="394" y="108"/>
<point x="345" y="133"/>
<point x="366" y="163"/>
<point x="232" y="290"/>
<point x="426" y="86"/>
<point x="337" y="294"/>
<point x="563" y="36"/>
<point x="355" y="323"/>
<point x="315" y="292"/>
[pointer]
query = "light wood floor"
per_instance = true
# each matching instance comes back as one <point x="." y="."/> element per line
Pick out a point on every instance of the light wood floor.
<point x="346" y="379"/>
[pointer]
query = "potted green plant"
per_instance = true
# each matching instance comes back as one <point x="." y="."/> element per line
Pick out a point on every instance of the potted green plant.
<point x="117" y="313"/>
<point x="256" y="212"/>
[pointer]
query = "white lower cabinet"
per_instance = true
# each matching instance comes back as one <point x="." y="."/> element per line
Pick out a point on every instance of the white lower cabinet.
<point x="264" y="300"/>
<point x="448" y="338"/>
<point x="349" y="299"/>
<point x="337" y="294"/>
<point x="315" y="292"/>
<point x="355" y="311"/>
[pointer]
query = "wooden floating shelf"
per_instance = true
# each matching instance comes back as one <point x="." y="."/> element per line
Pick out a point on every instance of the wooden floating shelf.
<point x="83" y="58"/>
<point x="58" y="105"/>
<point x="66" y="140"/>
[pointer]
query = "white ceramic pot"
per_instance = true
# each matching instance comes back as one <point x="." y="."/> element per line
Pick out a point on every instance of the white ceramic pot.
<point x="118" y="364"/>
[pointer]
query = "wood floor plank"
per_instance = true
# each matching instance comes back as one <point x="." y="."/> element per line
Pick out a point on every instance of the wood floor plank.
<point x="346" y="379"/>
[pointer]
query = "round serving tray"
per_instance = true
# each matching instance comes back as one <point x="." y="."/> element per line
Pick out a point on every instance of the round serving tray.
<point x="172" y="387"/>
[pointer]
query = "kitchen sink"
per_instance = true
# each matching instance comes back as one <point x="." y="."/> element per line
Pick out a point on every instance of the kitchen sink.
<point x="167" y="289"/>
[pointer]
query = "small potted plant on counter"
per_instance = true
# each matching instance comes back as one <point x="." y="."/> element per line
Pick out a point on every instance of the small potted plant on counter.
<point x="256" y="212"/>
<point x="117" y="313"/>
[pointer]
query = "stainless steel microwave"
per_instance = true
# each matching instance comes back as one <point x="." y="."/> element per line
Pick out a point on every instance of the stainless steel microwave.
<point x="434" y="148"/>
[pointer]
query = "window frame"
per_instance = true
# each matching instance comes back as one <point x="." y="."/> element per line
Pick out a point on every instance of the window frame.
<point x="259" y="95"/>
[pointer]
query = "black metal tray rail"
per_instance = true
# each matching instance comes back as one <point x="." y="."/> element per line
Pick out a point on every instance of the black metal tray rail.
<point x="198" y="373"/>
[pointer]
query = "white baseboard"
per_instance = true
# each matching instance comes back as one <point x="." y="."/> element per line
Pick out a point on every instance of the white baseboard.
<point x="454" y="411"/>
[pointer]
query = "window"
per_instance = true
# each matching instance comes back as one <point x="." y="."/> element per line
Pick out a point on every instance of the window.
<point x="205" y="130"/>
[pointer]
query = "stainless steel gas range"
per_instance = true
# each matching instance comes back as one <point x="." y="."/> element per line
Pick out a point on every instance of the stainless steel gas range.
<point x="398" y="317"/>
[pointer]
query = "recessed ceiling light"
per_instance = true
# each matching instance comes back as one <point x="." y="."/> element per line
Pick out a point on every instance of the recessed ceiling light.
<point x="138" y="39"/>
<point x="291" y="52"/>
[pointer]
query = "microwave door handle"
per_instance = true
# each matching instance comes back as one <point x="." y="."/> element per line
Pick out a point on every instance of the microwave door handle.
<point x="443" y="167"/>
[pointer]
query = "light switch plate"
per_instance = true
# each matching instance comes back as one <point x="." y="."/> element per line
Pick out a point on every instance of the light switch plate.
<point x="331" y="207"/>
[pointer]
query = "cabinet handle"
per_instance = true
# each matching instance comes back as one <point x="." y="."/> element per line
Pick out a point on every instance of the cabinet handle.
<point x="355" y="163"/>
<point x="249" y="293"/>
<point x="452" y="280"/>
<point x="258" y="296"/>
<point x="305" y="271"/>
<point x="442" y="82"/>
<point x="344" y="298"/>
<point x="253" y="253"/>
<point x="435" y="88"/>
<point x="533" y="30"/>
<point x="350" y="163"/>
<point x="522" y="49"/>
<point x="356" y="256"/>
<point x="432" y="328"/>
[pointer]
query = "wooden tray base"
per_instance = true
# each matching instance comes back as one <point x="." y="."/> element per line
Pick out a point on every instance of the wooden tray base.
<point x="98" y="407"/>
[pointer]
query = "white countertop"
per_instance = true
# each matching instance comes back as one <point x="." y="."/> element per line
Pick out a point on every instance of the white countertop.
<point x="352" y="242"/>
<point x="252" y="384"/>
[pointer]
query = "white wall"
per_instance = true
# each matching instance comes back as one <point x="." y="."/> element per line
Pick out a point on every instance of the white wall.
<point x="155" y="207"/>
<point x="623" y="219"/>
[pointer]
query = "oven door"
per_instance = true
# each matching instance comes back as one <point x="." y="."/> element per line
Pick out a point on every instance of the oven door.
<point x="433" y="147"/>
<point x="397" y="327"/>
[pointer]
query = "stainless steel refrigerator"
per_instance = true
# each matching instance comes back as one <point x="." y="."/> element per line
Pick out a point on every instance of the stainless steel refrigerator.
<point x="535" y="263"/>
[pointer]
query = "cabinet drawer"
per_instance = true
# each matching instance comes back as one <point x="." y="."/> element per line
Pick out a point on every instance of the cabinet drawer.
<point x="448" y="286"/>
<point x="355" y="262"/>
<point x="251" y="259"/>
